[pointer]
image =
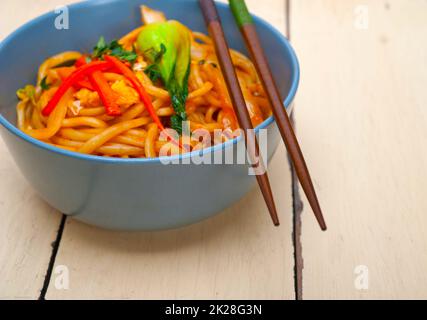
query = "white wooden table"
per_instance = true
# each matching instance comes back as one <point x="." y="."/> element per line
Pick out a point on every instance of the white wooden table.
<point x="361" y="117"/>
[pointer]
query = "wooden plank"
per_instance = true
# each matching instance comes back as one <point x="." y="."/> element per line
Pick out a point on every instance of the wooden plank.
<point x="27" y="229"/>
<point x="28" y="226"/>
<point x="361" y="117"/>
<point x="237" y="254"/>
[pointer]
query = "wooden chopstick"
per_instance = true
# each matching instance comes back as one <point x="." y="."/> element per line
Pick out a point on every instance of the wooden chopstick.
<point x="213" y="22"/>
<point x="248" y="29"/>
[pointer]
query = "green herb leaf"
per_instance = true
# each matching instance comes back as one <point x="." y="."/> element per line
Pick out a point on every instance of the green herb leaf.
<point x="44" y="85"/>
<point x="176" y="124"/>
<point x="153" y="72"/>
<point x="114" y="48"/>
<point x="100" y="48"/>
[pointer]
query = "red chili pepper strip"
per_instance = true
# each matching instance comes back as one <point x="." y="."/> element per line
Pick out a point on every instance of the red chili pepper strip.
<point x="145" y="98"/>
<point x="69" y="82"/>
<point x="107" y="95"/>
<point x="97" y="83"/>
<point x="83" y="84"/>
<point x="81" y="61"/>
<point x="65" y="72"/>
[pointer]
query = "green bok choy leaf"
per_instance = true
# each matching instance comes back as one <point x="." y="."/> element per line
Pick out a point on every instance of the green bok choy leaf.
<point x="167" y="47"/>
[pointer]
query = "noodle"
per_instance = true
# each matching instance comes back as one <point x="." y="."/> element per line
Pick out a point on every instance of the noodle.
<point x="80" y="122"/>
<point x="100" y="139"/>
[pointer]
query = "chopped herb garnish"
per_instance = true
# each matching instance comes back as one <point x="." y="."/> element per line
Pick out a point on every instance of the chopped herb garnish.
<point x="114" y="48"/>
<point x="44" y="85"/>
<point x="100" y="49"/>
<point x="153" y="72"/>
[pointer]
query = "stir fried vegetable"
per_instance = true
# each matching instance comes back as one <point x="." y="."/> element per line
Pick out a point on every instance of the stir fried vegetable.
<point x="145" y="98"/>
<point x="167" y="46"/>
<point x="69" y="82"/>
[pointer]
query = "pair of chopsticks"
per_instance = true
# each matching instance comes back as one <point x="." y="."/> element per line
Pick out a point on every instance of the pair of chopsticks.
<point x="247" y="27"/>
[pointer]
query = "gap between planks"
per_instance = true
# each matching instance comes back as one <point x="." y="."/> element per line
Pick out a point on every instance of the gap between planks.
<point x="297" y="204"/>
<point x="55" y="248"/>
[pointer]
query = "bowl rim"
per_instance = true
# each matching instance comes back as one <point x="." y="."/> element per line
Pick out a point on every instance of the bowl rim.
<point x="295" y="69"/>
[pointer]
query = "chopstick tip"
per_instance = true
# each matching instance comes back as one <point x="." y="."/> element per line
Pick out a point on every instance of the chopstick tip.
<point x="322" y="224"/>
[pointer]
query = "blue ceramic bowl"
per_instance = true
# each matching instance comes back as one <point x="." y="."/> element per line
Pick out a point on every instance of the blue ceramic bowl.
<point x="135" y="194"/>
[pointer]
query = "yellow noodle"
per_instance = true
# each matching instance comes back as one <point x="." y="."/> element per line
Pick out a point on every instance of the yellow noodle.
<point x="150" y="151"/>
<point x="157" y="92"/>
<point x="83" y="121"/>
<point x="66" y="142"/>
<point x="92" y="130"/>
<point x="165" y="112"/>
<point x="76" y="135"/>
<point x="195" y="77"/>
<point x="54" y="61"/>
<point x="110" y="133"/>
<point x="201" y="92"/>
<point x="115" y="149"/>
<point x="105" y="118"/>
<point x="131" y="141"/>
<point x="20" y="109"/>
<point x="55" y="119"/>
<point x="91" y="112"/>
<point x="36" y="119"/>
<point x="131" y="113"/>
<point x="120" y="150"/>
<point x="137" y="133"/>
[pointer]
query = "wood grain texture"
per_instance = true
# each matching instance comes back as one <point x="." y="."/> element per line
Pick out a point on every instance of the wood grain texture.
<point x="237" y="254"/>
<point x="27" y="225"/>
<point x="361" y="118"/>
<point x="27" y="229"/>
